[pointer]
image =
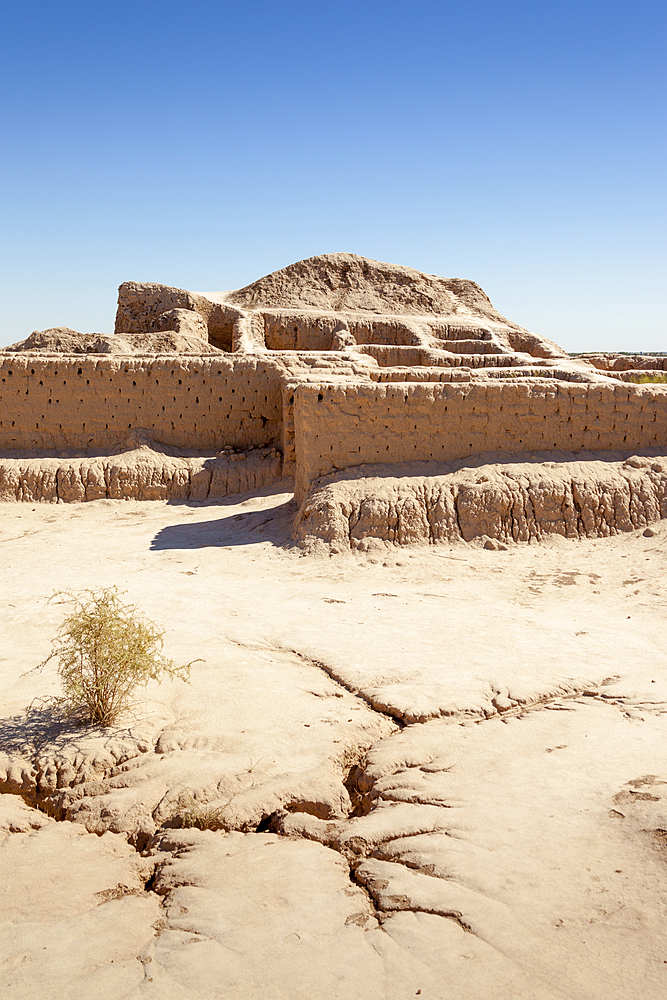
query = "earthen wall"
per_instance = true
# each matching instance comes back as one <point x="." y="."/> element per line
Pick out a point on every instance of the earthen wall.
<point x="338" y="426"/>
<point x="293" y="331"/>
<point x="85" y="402"/>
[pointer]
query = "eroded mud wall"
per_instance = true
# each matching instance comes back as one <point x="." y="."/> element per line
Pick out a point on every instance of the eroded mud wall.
<point x="339" y="426"/>
<point x="92" y="402"/>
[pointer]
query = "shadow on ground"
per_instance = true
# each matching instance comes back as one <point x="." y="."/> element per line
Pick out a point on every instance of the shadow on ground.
<point x="39" y="726"/>
<point x="273" y="524"/>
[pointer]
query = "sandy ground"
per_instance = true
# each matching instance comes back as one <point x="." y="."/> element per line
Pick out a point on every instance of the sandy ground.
<point x="442" y="770"/>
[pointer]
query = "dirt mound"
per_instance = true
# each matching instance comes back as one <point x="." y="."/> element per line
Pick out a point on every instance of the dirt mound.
<point x="347" y="282"/>
<point x="62" y="340"/>
<point x="520" y="500"/>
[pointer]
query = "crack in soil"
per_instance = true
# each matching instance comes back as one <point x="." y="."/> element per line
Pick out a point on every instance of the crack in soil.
<point x="402" y="903"/>
<point x="354" y="851"/>
<point x="37" y="789"/>
<point x="386" y="710"/>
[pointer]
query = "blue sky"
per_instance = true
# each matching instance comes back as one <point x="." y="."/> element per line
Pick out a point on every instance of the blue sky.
<point x="205" y="144"/>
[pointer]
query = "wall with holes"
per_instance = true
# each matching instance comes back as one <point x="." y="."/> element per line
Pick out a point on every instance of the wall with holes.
<point x="338" y="426"/>
<point x="86" y="402"/>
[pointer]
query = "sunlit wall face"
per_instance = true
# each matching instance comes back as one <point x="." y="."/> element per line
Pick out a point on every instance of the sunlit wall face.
<point x="205" y="144"/>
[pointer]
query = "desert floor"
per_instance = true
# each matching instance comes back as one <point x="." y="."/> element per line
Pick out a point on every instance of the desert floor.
<point x="442" y="771"/>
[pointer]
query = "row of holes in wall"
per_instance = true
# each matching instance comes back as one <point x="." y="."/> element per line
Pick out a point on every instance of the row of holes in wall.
<point x="234" y="391"/>
<point x="461" y="407"/>
<point x="543" y="443"/>
<point x="102" y="374"/>
<point x="244" y="401"/>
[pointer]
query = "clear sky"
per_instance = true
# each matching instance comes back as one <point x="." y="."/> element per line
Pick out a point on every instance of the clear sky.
<point x="204" y="144"/>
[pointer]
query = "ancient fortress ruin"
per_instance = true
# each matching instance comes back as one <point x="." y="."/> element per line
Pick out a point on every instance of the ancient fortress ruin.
<point x="404" y="406"/>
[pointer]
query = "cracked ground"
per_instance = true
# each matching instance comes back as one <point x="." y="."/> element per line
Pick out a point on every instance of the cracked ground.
<point x="432" y="771"/>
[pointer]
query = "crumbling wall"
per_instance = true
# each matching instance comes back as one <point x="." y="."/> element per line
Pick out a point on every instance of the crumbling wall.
<point x="311" y="331"/>
<point x="299" y="331"/>
<point x="531" y="343"/>
<point x="339" y="426"/>
<point x="55" y="404"/>
<point x="625" y="362"/>
<point x="138" y="472"/>
<point x="391" y="356"/>
<point x="141" y="304"/>
<point x="578" y="496"/>
<point x="89" y="402"/>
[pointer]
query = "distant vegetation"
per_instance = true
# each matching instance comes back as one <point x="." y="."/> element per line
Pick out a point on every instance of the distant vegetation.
<point x="627" y="354"/>
<point x="640" y="376"/>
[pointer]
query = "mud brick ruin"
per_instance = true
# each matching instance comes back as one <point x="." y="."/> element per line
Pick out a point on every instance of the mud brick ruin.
<point x="405" y="407"/>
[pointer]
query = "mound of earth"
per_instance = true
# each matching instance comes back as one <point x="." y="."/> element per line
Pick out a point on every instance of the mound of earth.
<point x="166" y="339"/>
<point x="497" y="499"/>
<point x="345" y="281"/>
<point x="63" y="340"/>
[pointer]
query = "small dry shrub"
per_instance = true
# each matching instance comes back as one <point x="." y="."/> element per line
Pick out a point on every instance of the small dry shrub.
<point x="201" y="816"/>
<point x="105" y="650"/>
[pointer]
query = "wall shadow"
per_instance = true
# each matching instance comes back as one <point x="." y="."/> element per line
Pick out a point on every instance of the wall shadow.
<point x="275" y="489"/>
<point x="273" y="524"/>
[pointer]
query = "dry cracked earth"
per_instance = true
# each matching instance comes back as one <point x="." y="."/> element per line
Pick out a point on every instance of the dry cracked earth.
<point x="435" y="771"/>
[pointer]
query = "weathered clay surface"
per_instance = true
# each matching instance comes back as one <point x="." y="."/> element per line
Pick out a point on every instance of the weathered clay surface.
<point x="238" y="897"/>
<point x="441" y="838"/>
<point x="319" y="933"/>
<point x="295" y="734"/>
<point x="142" y="306"/>
<point x="75" y="914"/>
<point x="448" y="310"/>
<point x="183" y="321"/>
<point x="86" y="402"/>
<point x="17" y="817"/>
<point x="497" y="849"/>
<point x="506" y="501"/>
<point x="345" y="281"/>
<point x="140" y="470"/>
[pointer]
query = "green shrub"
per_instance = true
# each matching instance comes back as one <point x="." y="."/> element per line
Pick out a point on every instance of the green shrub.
<point x="105" y="650"/>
